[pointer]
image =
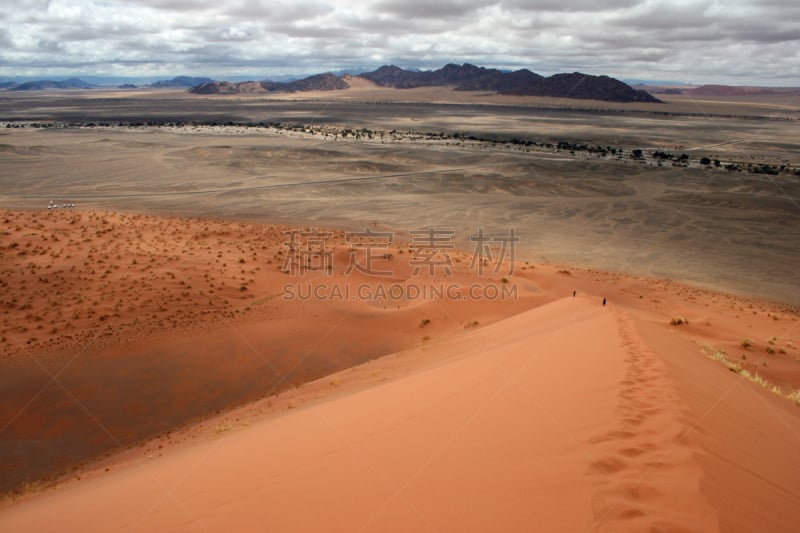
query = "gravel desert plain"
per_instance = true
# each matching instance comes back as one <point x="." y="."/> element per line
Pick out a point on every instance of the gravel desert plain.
<point x="171" y="360"/>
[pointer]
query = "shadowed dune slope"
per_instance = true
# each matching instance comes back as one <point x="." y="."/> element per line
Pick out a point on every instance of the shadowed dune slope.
<point x="525" y="422"/>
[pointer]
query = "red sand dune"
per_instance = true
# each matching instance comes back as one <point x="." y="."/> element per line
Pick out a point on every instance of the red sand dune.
<point x="117" y="328"/>
<point x="517" y="425"/>
<point x="569" y="416"/>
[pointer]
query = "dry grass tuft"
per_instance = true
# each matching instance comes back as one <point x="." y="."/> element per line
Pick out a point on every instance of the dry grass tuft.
<point x="794" y="396"/>
<point x="27" y="487"/>
<point x="755" y="377"/>
<point x="222" y="428"/>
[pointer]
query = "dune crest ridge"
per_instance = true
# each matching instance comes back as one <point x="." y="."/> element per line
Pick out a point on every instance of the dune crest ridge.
<point x="521" y="422"/>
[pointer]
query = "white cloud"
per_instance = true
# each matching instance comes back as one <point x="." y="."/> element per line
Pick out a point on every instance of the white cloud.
<point x="731" y="41"/>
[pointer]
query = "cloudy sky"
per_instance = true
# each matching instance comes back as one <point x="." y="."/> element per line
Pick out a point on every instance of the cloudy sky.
<point x="729" y="41"/>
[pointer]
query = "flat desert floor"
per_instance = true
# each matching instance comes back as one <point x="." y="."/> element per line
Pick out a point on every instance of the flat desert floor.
<point x="734" y="231"/>
<point x="634" y="367"/>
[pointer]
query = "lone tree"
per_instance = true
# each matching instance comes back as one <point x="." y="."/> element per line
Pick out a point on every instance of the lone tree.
<point x="705" y="161"/>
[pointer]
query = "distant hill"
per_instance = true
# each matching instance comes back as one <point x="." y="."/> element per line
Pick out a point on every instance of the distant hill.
<point x="180" y="82"/>
<point x="732" y="90"/>
<point x="464" y="77"/>
<point x="521" y="82"/>
<point x="40" y="85"/>
<point x="228" y="87"/>
<point x="318" y="82"/>
<point x="127" y="86"/>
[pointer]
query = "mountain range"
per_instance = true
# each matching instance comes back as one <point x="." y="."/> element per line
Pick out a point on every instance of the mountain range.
<point x="318" y="82"/>
<point x="716" y="91"/>
<point x="727" y="90"/>
<point x="464" y="77"/>
<point x="40" y="85"/>
<point x="180" y="81"/>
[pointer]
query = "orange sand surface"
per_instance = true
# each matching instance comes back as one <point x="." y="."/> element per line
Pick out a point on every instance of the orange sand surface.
<point x="116" y="328"/>
<point x="549" y="413"/>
